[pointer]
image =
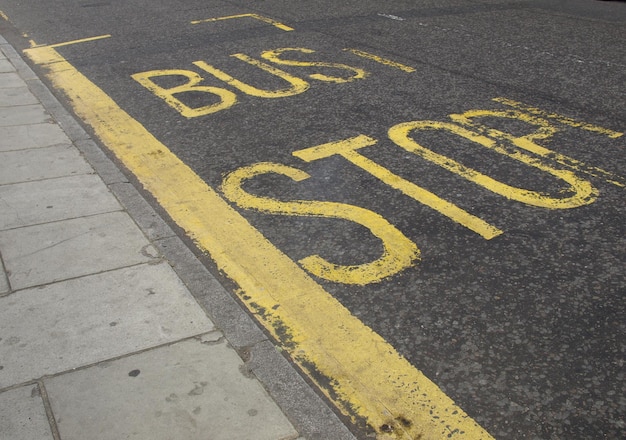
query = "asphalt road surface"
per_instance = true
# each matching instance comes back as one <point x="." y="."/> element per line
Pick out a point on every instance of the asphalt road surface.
<point x="452" y="172"/>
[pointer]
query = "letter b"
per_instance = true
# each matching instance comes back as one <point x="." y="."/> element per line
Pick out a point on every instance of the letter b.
<point x="226" y="97"/>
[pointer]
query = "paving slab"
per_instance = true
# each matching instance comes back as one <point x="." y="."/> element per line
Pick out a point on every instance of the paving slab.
<point x="31" y="203"/>
<point x="41" y="163"/>
<point x="21" y="137"/>
<point x="5" y="65"/>
<point x="22" y="415"/>
<point x="16" y="96"/>
<point x="61" y="326"/>
<point x="41" y="254"/>
<point x="191" y="390"/>
<point x="11" y="79"/>
<point x="24" y="114"/>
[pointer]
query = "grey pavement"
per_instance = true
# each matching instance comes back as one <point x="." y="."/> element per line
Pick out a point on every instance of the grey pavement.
<point x="110" y="327"/>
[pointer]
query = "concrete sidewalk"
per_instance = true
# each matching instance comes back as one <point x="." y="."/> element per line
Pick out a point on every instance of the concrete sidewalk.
<point x="110" y="328"/>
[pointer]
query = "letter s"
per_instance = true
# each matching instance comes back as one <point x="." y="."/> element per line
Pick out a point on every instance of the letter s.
<point x="274" y="56"/>
<point x="399" y="252"/>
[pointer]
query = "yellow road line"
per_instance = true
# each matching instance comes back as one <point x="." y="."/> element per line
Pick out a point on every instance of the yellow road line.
<point x="381" y="60"/>
<point x="69" y="43"/>
<point x="82" y="40"/>
<point x="356" y="368"/>
<point x="267" y="20"/>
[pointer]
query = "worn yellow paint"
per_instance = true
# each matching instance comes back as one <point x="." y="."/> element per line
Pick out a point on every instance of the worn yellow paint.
<point x="82" y="40"/>
<point x="398" y="251"/>
<point x="267" y="20"/>
<point x="275" y="57"/>
<point x="226" y="98"/>
<point x="562" y="119"/>
<point x="4" y="16"/>
<point x="68" y="43"/>
<point x="545" y="130"/>
<point x="357" y="369"/>
<point x="381" y="60"/>
<point x="347" y="148"/>
<point x="297" y="85"/>
<point x="583" y="192"/>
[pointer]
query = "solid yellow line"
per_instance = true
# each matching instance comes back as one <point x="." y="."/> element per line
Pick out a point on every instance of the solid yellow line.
<point x="267" y="20"/>
<point x="82" y="40"/>
<point x="357" y="369"/>
<point x="381" y="60"/>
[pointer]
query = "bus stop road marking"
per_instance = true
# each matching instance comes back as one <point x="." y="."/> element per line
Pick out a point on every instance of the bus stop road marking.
<point x="355" y="367"/>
